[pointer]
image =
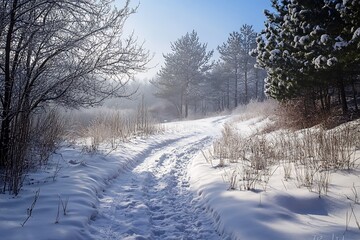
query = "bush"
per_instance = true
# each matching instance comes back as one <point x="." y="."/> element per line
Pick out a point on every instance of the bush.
<point x="31" y="146"/>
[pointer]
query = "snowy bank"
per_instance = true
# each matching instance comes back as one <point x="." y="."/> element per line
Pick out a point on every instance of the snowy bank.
<point x="277" y="209"/>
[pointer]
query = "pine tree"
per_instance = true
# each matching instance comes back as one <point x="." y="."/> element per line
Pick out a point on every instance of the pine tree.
<point x="275" y="46"/>
<point x="219" y="81"/>
<point x="230" y="53"/>
<point x="179" y="80"/>
<point x="248" y="43"/>
<point x="309" y="48"/>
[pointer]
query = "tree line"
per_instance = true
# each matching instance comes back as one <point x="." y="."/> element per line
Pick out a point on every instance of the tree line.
<point x="192" y="82"/>
<point x="308" y="53"/>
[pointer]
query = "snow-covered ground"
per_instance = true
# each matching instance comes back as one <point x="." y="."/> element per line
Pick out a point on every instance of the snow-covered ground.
<point x="162" y="187"/>
<point x="278" y="209"/>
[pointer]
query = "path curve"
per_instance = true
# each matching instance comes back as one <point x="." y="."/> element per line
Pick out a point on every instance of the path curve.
<point x="153" y="200"/>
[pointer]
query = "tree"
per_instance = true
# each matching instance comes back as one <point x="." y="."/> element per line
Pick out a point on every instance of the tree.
<point x="236" y="54"/>
<point x="273" y="53"/>
<point x="184" y="69"/>
<point x="218" y="89"/>
<point x="350" y="14"/>
<point x="248" y="43"/>
<point x="69" y="53"/>
<point x="308" y="49"/>
<point x="231" y="53"/>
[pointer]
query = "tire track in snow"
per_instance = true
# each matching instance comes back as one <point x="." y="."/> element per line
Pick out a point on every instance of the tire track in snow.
<point x="153" y="201"/>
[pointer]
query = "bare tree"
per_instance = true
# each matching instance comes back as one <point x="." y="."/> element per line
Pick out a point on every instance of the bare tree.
<point x="67" y="52"/>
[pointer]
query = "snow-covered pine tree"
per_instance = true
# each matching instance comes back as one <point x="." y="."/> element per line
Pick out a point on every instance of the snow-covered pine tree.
<point x="315" y="23"/>
<point x="308" y="48"/>
<point x="347" y="46"/>
<point x="332" y="48"/>
<point x="275" y="48"/>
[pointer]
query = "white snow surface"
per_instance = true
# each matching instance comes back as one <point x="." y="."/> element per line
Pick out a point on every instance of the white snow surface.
<point x="162" y="187"/>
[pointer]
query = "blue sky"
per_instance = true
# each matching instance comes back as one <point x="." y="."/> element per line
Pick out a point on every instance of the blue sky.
<point x="159" y="22"/>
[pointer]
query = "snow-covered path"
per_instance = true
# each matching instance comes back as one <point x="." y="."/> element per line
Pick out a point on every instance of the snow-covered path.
<point x="153" y="200"/>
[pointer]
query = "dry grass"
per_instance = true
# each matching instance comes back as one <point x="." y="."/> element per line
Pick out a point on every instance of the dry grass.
<point x="111" y="127"/>
<point x="230" y="147"/>
<point x="253" y="157"/>
<point x="48" y="132"/>
<point x="308" y="156"/>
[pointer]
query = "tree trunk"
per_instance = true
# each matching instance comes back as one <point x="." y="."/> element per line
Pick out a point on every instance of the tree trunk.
<point x="236" y="88"/>
<point x="342" y="93"/>
<point x="322" y="100"/>
<point x="246" y="84"/>
<point x="181" y="103"/>
<point x="256" y="83"/>
<point x="262" y="90"/>
<point x="354" y="96"/>
<point x="228" y="94"/>
<point x="8" y="85"/>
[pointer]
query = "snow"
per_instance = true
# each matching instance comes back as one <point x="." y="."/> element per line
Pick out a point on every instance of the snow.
<point x="356" y="34"/>
<point x="296" y="38"/>
<point x="304" y="39"/>
<point x="163" y="187"/>
<point x="317" y="30"/>
<point x="274" y="54"/>
<point x="285" y="53"/>
<point x="324" y="38"/>
<point x="339" y="6"/>
<point x="331" y="61"/>
<point x="319" y="61"/>
<point x="278" y="210"/>
<point x="340" y="43"/>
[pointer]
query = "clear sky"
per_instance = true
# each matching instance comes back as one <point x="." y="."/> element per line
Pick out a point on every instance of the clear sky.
<point x="159" y="22"/>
